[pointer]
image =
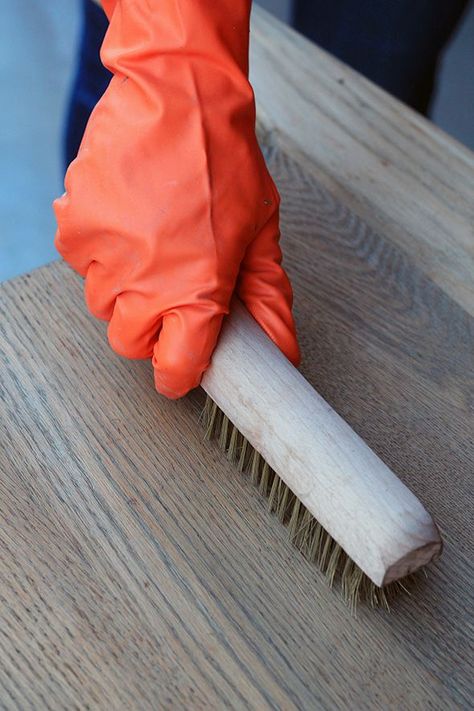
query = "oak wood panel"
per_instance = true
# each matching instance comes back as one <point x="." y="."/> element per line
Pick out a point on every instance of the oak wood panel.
<point x="137" y="566"/>
<point x="373" y="152"/>
<point x="139" y="571"/>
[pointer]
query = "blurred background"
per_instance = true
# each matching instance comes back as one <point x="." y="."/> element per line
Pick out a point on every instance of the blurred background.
<point x="38" y="53"/>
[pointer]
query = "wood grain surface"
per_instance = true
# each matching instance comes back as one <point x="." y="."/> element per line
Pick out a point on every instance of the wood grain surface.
<point x="138" y="570"/>
<point x="406" y="178"/>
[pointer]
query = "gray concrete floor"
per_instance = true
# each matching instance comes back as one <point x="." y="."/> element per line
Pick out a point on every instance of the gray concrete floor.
<point x="37" y="47"/>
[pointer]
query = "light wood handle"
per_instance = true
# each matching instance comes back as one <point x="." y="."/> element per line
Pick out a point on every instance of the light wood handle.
<point x="360" y="502"/>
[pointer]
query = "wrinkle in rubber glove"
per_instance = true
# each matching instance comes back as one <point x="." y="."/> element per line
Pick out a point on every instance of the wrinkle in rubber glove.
<point x="169" y="207"/>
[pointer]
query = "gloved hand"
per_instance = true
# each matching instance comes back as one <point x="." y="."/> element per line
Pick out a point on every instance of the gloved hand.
<point x="169" y="206"/>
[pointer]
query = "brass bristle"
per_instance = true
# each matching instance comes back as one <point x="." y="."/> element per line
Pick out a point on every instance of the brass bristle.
<point x="293" y="522"/>
<point x="285" y="502"/>
<point x="209" y="416"/>
<point x="223" y="434"/>
<point x="273" y="495"/>
<point x="315" y="543"/>
<point x="265" y="479"/>
<point x="324" y="551"/>
<point x="303" y="533"/>
<point x="243" y="456"/>
<point x="233" y="444"/>
<point x="255" y="467"/>
<point x="303" y="529"/>
<point x="333" y="563"/>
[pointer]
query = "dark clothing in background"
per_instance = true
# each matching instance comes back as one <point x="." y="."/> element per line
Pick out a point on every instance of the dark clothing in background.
<point x="91" y="79"/>
<point x="395" y="43"/>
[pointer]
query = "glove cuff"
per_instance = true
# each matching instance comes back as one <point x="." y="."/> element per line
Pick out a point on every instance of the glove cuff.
<point x="147" y="30"/>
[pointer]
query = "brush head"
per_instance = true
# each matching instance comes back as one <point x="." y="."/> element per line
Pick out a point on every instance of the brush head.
<point x="304" y="531"/>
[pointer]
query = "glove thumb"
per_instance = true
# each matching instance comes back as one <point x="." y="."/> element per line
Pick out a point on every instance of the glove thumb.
<point x="184" y="348"/>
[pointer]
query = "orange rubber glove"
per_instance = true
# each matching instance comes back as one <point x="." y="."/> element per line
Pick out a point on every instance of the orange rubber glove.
<point x="169" y="207"/>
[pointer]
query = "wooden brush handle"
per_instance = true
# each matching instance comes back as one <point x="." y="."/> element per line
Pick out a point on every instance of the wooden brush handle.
<point x="360" y="502"/>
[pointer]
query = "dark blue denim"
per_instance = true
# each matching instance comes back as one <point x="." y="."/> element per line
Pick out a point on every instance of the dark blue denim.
<point x="395" y="43"/>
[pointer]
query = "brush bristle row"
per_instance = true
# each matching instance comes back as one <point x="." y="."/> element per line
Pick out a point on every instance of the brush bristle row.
<point x="304" y="530"/>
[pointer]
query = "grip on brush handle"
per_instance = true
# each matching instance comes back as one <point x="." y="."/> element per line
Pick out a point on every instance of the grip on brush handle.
<point x="360" y="502"/>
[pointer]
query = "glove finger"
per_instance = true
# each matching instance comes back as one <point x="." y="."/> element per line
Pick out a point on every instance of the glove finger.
<point x="184" y="348"/>
<point x="134" y="326"/>
<point x="99" y="292"/>
<point x="266" y="291"/>
<point x="60" y="244"/>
